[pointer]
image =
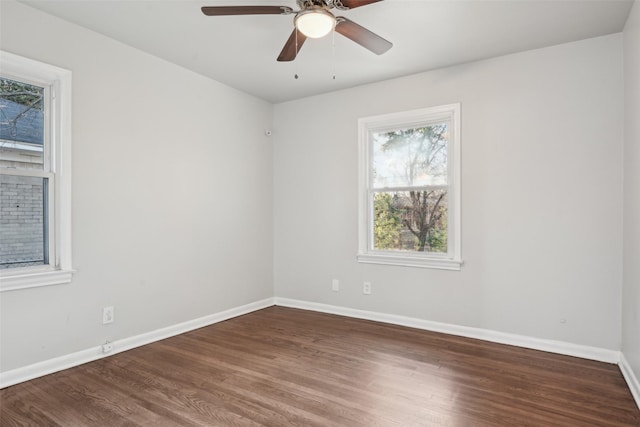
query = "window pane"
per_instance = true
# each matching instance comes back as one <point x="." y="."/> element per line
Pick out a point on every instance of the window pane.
<point x="410" y="157"/>
<point x="21" y="125"/>
<point x="410" y="221"/>
<point x="23" y="221"/>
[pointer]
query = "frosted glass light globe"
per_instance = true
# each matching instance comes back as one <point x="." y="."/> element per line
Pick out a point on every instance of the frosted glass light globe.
<point x="315" y="23"/>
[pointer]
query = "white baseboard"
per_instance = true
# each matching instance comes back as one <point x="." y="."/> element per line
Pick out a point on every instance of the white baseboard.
<point x="559" y="347"/>
<point x="46" y="367"/>
<point x="631" y="378"/>
<point x="50" y="366"/>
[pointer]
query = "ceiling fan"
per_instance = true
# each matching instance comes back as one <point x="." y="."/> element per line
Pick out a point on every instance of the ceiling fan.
<point x="313" y="20"/>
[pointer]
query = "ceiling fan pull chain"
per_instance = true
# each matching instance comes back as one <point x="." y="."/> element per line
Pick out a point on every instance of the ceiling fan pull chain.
<point x="333" y="51"/>
<point x="295" y="76"/>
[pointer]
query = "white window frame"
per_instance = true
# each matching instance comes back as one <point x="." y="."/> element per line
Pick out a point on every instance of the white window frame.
<point x="57" y="169"/>
<point x="451" y="260"/>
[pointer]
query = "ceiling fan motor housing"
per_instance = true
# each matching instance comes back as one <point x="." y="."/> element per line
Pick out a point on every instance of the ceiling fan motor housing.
<point x="328" y="4"/>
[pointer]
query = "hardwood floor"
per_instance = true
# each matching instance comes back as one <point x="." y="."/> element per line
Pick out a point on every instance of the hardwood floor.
<point x="283" y="367"/>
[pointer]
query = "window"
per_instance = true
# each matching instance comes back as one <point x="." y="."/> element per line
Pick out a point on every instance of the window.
<point x="410" y="188"/>
<point x="35" y="184"/>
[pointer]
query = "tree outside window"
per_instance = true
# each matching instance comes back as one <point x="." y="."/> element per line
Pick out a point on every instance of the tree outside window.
<point x="414" y="220"/>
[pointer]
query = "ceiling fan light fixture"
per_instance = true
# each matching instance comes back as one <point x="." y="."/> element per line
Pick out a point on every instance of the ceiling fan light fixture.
<point x="315" y="23"/>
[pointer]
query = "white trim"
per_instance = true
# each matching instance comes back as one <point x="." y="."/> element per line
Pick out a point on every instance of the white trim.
<point x="50" y="366"/>
<point x="631" y="378"/>
<point x="387" y="122"/>
<point x="552" y="346"/>
<point x="33" y="279"/>
<point x="407" y="260"/>
<point x="62" y="164"/>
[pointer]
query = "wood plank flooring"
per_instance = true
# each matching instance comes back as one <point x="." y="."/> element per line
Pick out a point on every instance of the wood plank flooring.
<point x="286" y="367"/>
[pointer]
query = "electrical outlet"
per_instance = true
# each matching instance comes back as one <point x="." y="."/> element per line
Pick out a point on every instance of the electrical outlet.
<point x="107" y="347"/>
<point x="366" y="288"/>
<point x="107" y="315"/>
<point x="335" y="285"/>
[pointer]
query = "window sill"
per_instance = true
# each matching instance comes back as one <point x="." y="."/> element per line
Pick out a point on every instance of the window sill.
<point x="33" y="278"/>
<point x="387" y="258"/>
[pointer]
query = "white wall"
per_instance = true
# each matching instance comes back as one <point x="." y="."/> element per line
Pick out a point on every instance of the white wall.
<point x="541" y="196"/>
<point x="172" y="199"/>
<point x="631" y="275"/>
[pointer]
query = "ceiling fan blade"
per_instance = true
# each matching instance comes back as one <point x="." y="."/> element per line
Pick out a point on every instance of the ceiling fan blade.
<point x="246" y="10"/>
<point x="362" y="36"/>
<point x="352" y="4"/>
<point x="292" y="46"/>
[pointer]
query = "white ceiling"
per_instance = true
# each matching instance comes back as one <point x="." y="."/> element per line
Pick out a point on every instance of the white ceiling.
<point x="241" y="51"/>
